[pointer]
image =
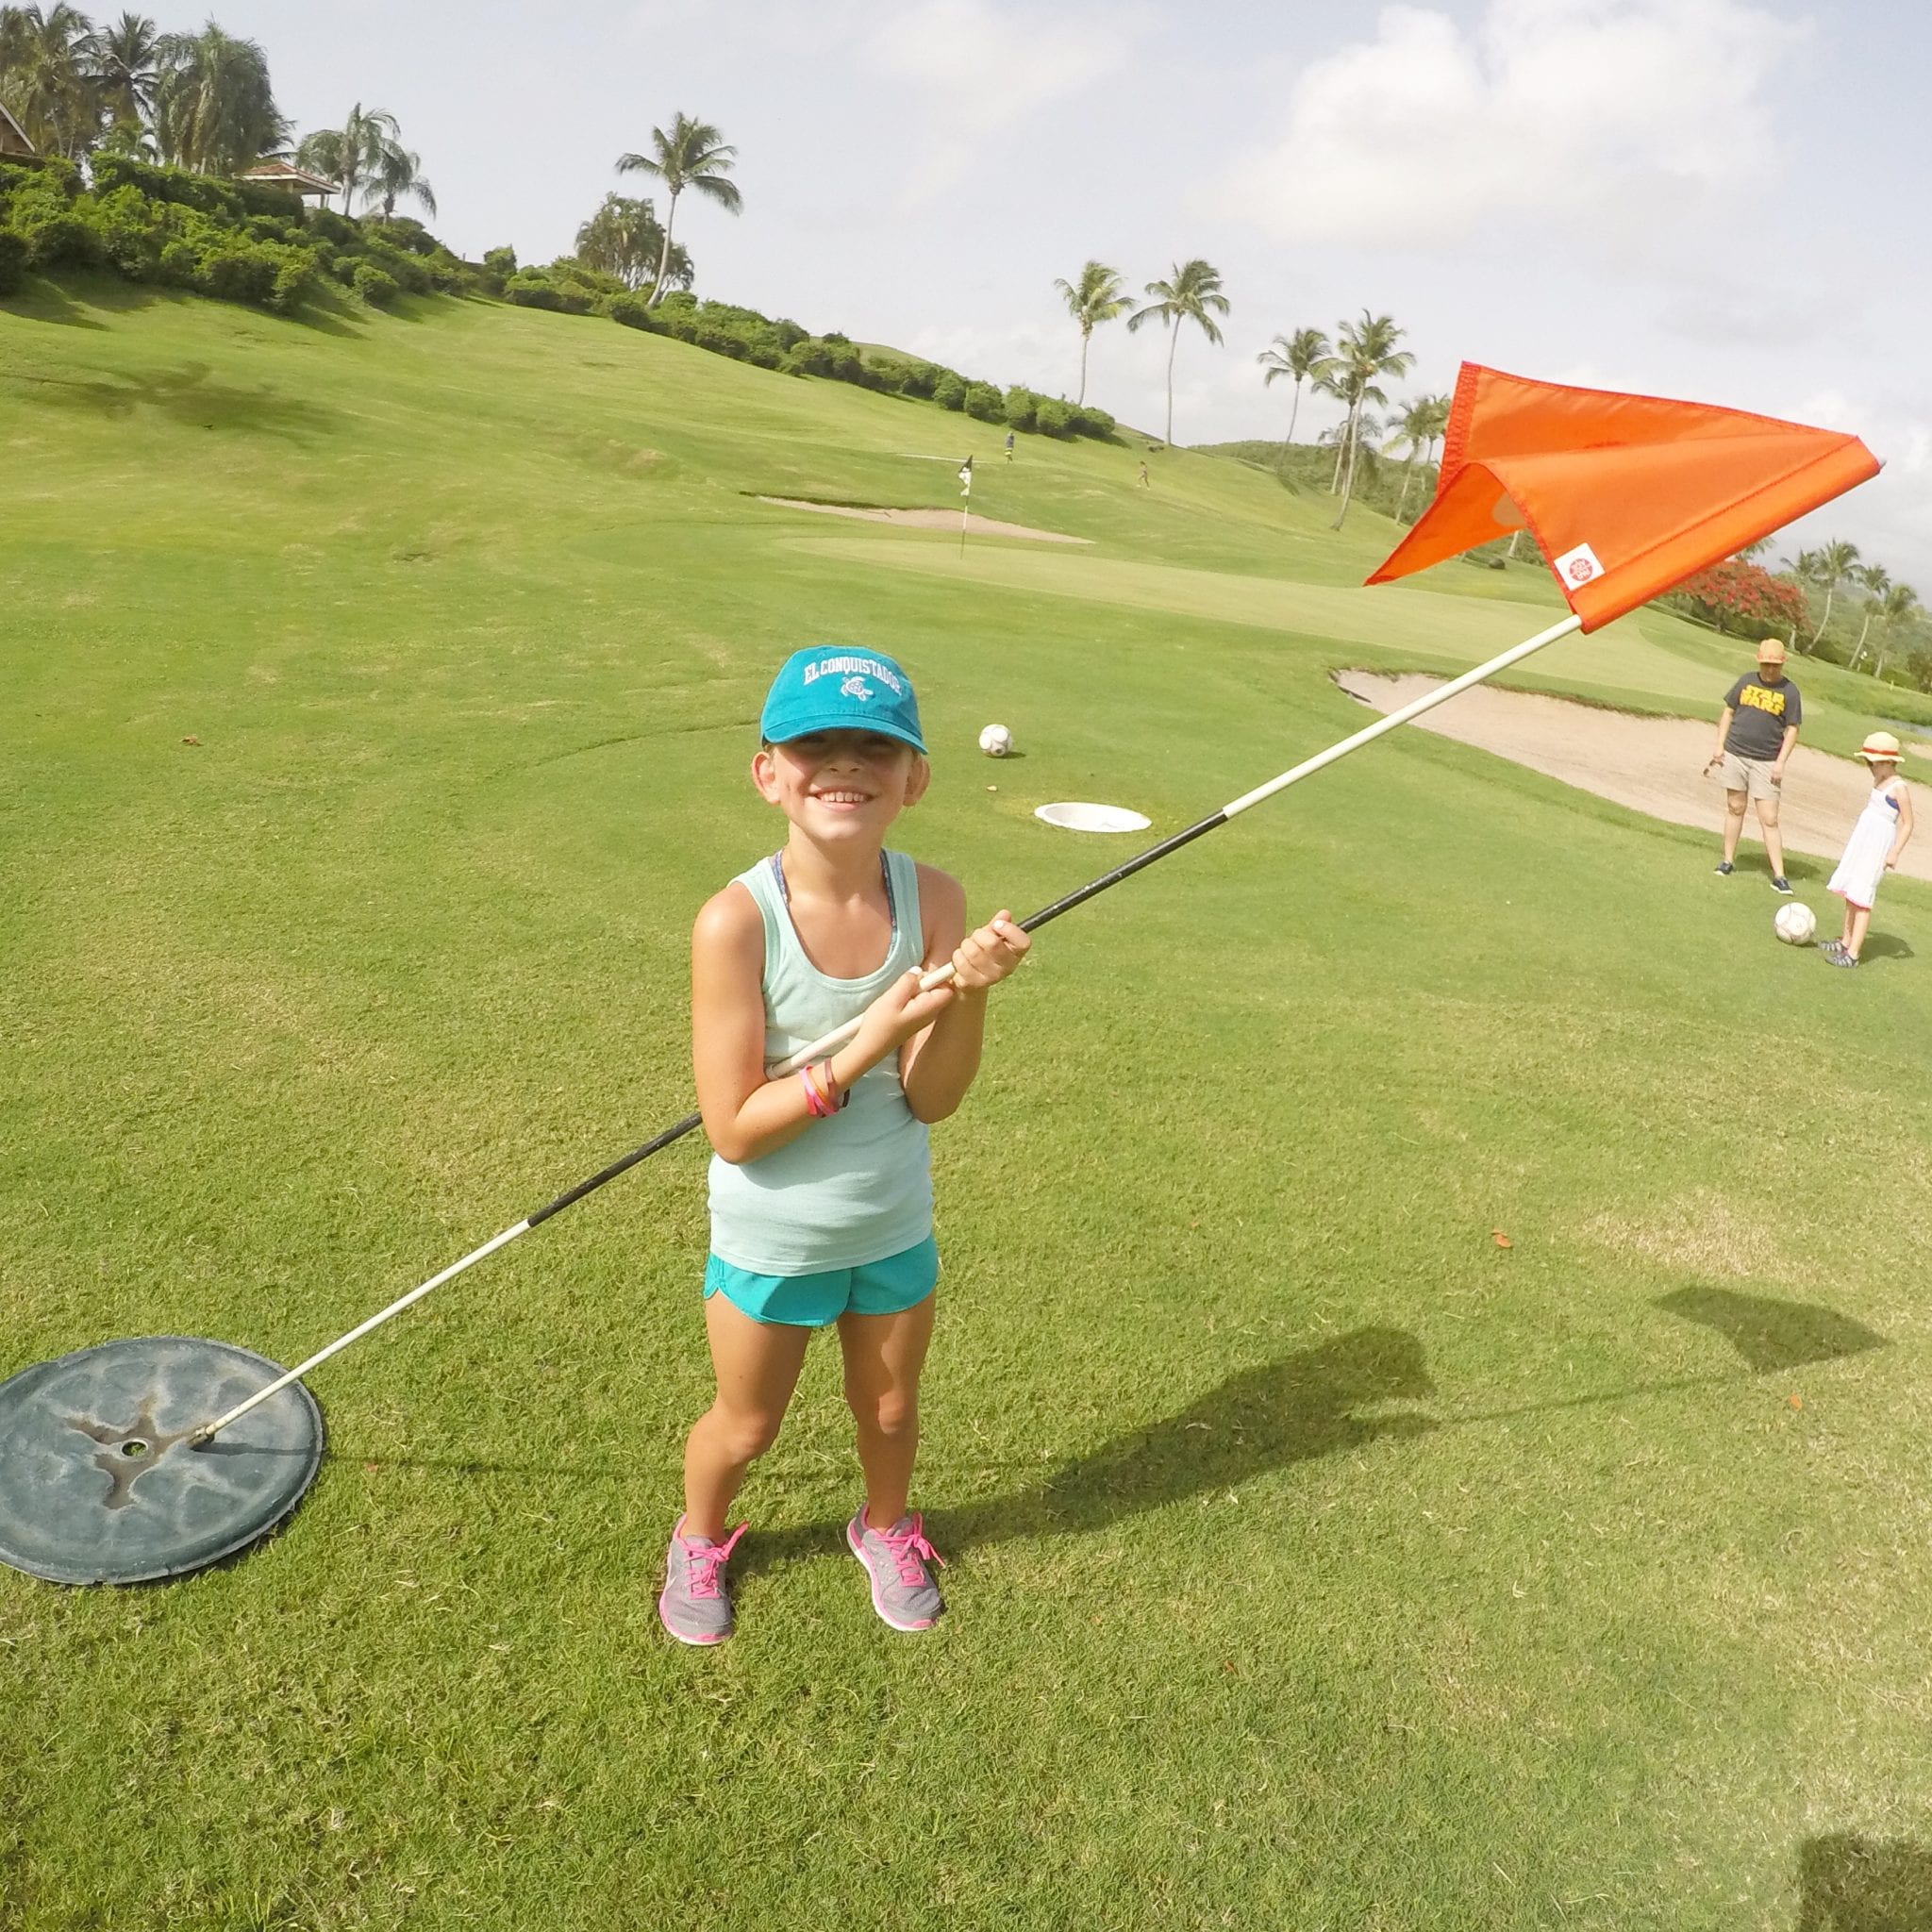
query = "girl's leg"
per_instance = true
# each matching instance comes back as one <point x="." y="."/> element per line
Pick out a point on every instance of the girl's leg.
<point x="756" y="1365"/>
<point x="884" y="1355"/>
<point x="1861" y="917"/>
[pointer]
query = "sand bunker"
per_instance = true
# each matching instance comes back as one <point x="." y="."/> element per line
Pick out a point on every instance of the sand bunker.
<point x="1650" y="764"/>
<point x="925" y="520"/>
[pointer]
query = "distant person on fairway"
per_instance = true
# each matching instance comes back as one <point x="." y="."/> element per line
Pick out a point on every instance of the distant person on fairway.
<point x="1756" y="732"/>
<point x="1872" y="851"/>
<point x="821" y="1191"/>
<point x="1010" y="445"/>
<point x="1143" y="473"/>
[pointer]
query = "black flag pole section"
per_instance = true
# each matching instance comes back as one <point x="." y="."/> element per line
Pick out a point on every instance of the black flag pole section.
<point x="940" y="975"/>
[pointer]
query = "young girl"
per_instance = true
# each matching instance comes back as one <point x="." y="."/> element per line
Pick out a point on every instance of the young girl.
<point x="1874" y="845"/>
<point x="821" y="1193"/>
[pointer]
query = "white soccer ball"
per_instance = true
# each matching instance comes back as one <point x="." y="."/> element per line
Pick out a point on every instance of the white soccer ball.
<point x="995" y="740"/>
<point x="1795" y="923"/>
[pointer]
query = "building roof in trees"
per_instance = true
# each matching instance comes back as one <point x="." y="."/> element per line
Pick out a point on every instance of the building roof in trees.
<point x="287" y="175"/>
<point x="13" y="139"/>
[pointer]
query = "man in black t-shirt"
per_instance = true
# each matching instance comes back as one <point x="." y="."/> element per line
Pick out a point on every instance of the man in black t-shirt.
<point x="1756" y="732"/>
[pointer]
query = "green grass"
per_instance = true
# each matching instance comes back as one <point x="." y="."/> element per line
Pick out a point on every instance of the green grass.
<point x="1317" y="1562"/>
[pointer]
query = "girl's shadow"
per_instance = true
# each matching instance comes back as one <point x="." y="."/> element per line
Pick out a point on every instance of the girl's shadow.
<point x="1266" y="1418"/>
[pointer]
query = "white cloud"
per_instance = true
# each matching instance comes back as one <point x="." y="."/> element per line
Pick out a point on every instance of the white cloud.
<point x="979" y="68"/>
<point x="1598" y="120"/>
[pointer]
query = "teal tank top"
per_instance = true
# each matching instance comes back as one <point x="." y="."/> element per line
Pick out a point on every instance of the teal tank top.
<point x="856" y="1187"/>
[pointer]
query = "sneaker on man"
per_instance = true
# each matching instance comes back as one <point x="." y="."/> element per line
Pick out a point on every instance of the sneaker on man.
<point x="695" y="1605"/>
<point x="1723" y="868"/>
<point x="1780" y="884"/>
<point x="902" y="1591"/>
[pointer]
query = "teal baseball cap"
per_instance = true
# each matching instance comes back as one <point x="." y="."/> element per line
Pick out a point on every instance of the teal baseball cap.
<point x="833" y="688"/>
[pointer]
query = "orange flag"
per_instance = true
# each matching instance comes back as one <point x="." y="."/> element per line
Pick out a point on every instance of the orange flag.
<point x="1626" y="495"/>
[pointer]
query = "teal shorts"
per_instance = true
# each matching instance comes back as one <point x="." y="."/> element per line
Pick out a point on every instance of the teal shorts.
<point x="889" y="1287"/>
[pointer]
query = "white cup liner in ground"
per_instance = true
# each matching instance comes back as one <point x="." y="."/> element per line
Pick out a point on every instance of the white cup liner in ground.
<point x="1077" y="817"/>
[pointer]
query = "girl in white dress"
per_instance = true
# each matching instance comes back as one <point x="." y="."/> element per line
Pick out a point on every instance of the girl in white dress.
<point x="1874" y="845"/>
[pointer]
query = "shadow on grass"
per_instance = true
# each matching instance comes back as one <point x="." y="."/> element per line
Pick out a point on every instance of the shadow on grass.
<point x="1885" y="945"/>
<point x="1773" y="1335"/>
<point x="1292" y="1411"/>
<point x="188" y="395"/>
<point x="1853" y="1883"/>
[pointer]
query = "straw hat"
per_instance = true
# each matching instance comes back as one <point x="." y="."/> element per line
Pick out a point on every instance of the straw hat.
<point x="1880" y="747"/>
<point x="1770" y="652"/>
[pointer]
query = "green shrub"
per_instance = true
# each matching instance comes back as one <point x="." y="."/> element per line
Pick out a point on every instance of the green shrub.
<point x="13" y="259"/>
<point x="1054" y="418"/>
<point x="632" y="310"/>
<point x="57" y="240"/>
<point x="949" y="391"/>
<point x="1088" y="421"/>
<point x="1021" y="406"/>
<point x="984" y="403"/>
<point x="239" y="271"/>
<point x="502" y="261"/>
<point x="375" y="286"/>
<point x="920" y="380"/>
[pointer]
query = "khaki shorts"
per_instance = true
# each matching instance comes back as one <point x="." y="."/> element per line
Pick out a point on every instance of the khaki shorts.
<point x="1750" y="775"/>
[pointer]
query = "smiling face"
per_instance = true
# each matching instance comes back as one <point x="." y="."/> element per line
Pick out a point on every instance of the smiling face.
<point x="841" y="785"/>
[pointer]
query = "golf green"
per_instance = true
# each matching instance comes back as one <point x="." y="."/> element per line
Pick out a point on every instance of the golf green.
<point x="1426" y="1417"/>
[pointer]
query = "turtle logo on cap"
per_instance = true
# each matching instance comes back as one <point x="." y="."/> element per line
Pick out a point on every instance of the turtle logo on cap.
<point x="856" y="687"/>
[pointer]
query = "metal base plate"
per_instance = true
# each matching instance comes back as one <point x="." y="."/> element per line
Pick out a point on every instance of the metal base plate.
<point x="99" y="1482"/>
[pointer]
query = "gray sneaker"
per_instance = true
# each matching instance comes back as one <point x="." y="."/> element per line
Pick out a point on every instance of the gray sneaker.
<point x="901" y="1591"/>
<point x="694" y="1606"/>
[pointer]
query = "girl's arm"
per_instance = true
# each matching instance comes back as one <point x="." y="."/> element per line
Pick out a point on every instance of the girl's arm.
<point x="748" y="1116"/>
<point x="1904" y="796"/>
<point x="936" y="1068"/>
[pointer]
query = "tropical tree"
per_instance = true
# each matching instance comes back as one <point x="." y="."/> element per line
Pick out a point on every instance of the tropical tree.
<point x="1421" y="421"/>
<point x="1190" y="294"/>
<point x="1899" y="603"/>
<point x="352" y="155"/>
<point x="624" y="238"/>
<point x="1300" y="355"/>
<point x="124" y="63"/>
<point x="213" y="107"/>
<point x="692" y="154"/>
<point x="397" y="172"/>
<point x="1875" y="579"/>
<point x="1096" y="297"/>
<point x="1363" y="351"/>
<point x="44" y="79"/>
<point x="1828" y="566"/>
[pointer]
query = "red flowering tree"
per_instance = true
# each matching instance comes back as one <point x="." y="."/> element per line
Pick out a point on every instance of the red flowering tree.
<point x="1741" y="597"/>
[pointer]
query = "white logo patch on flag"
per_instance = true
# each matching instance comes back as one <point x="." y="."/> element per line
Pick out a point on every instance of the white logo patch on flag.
<point x="1579" y="567"/>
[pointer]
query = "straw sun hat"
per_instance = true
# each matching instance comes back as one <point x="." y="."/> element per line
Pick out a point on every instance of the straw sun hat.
<point x="1880" y="747"/>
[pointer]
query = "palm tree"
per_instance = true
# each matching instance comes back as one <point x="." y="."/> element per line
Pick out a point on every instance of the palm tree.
<point x="1188" y="294"/>
<point x="1899" y="602"/>
<point x="1365" y="350"/>
<point x="44" y="79"/>
<point x="124" y="63"/>
<point x="352" y="153"/>
<point x="1304" y="353"/>
<point x="1875" y="580"/>
<point x="1421" y="421"/>
<point x="692" y="154"/>
<point x="214" y="110"/>
<point x="624" y="238"/>
<point x="1096" y="297"/>
<point x="1830" y="566"/>
<point x="397" y="172"/>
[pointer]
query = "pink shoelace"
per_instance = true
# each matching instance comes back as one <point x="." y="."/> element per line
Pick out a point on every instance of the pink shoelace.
<point x="703" y="1564"/>
<point x="909" y="1550"/>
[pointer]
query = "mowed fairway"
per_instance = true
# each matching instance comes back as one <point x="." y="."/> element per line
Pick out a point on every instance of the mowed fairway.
<point x="1316" y="1562"/>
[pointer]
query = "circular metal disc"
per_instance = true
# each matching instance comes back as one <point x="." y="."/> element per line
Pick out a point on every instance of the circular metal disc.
<point x="99" y="1482"/>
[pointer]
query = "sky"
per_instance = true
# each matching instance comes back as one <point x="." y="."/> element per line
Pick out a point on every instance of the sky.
<point x="1717" y="199"/>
